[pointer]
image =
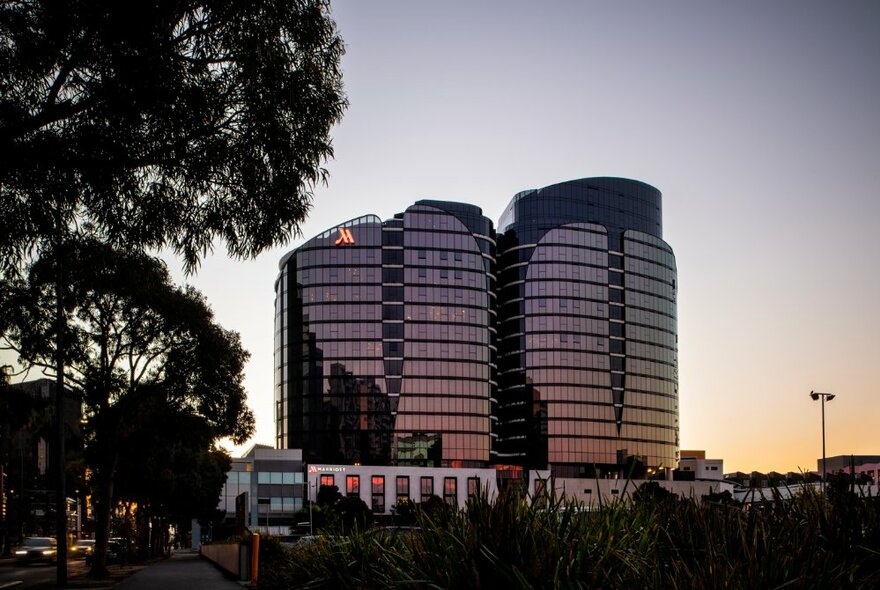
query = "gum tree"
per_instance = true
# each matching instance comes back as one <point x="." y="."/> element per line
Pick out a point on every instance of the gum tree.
<point x="161" y="125"/>
<point x="135" y="342"/>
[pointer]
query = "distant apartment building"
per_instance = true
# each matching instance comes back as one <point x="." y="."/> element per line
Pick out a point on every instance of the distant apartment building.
<point x="849" y="463"/>
<point x="704" y="469"/>
<point x="28" y="462"/>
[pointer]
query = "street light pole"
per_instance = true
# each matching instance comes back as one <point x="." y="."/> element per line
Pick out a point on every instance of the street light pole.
<point x="311" y="501"/>
<point x="815" y="395"/>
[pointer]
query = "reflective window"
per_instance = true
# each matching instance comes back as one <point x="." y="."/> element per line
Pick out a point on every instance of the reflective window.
<point x="427" y="488"/>
<point x="450" y="490"/>
<point x="377" y="483"/>
<point x="352" y="485"/>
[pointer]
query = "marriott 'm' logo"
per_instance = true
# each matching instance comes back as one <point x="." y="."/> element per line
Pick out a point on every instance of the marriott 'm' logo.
<point x="345" y="237"/>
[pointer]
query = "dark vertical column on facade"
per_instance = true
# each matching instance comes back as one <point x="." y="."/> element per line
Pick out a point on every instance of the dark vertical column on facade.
<point x="392" y="308"/>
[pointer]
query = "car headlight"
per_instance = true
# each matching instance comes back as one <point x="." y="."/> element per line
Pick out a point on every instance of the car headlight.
<point x="48" y="551"/>
<point x="21" y="552"/>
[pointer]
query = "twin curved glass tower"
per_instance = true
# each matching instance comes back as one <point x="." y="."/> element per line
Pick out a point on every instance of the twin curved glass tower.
<point x="395" y="343"/>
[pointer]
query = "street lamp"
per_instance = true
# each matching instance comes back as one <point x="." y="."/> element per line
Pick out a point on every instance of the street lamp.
<point x="825" y="397"/>
<point x="311" y="501"/>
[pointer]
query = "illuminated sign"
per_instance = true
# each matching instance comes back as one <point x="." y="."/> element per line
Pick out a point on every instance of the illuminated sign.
<point x="345" y="237"/>
<point x="326" y="468"/>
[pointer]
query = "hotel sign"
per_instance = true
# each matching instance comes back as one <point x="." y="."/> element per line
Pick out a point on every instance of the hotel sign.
<point x="326" y="468"/>
<point x="345" y="237"/>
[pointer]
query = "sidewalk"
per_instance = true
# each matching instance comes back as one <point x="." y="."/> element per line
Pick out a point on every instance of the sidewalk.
<point x="185" y="570"/>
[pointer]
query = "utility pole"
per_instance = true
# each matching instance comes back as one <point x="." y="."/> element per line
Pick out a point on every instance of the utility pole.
<point x="61" y="472"/>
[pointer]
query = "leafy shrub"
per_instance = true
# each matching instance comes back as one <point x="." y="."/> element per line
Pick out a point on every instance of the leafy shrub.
<point x="653" y="542"/>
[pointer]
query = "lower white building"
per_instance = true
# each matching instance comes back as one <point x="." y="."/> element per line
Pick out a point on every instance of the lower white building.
<point x="381" y="487"/>
<point x="596" y="492"/>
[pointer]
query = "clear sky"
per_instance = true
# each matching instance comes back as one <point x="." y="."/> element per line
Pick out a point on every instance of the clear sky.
<point x="759" y="122"/>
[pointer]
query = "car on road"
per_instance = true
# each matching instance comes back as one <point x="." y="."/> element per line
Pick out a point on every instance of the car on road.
<point x="114" y="553"/>
<point x="36" y="550"/>
<point x="82" y="548"/>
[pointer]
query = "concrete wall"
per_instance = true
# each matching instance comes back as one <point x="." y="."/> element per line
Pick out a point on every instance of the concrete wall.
<point x="593" y="491"/>
<point x="225" y="555"/>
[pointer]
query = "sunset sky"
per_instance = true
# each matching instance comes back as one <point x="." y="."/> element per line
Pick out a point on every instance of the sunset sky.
<point x="759" y="122"/>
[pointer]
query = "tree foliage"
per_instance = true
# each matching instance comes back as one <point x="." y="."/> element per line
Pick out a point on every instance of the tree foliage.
<point x="163" y="124"/>
<point x="172" y="469"/>
<point x="132" y="335"/>
<point x="142" y="354"/>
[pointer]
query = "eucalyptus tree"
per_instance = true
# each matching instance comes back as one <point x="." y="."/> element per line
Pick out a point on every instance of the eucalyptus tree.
<point x="134" y="342"/>
<point x="164" y="124"/>
<point x="172" y="471"/>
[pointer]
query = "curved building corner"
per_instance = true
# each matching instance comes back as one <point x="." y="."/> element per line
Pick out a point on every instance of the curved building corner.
<point x="588" y="378"/>
<point x="384" y="340"/>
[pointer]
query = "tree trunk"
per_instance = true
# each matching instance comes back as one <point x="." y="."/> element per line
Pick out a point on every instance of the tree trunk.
<point x="61" y="473"/>
<point x="103" y="507"/>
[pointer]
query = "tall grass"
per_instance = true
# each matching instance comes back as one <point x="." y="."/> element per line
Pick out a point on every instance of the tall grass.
<point x="513" y="543"/>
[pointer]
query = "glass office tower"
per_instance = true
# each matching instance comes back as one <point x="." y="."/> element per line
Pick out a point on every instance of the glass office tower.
<point x="385" y="340"/>
<point x="587" y="329"/>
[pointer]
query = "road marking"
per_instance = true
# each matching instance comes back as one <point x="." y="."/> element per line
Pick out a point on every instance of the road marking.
<point x="11" y="584"/>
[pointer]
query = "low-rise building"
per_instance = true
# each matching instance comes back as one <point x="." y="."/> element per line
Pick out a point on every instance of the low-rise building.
<point x="702" y="468"/>
<point x="382" y="487"/>
<point x="268" y="486"/>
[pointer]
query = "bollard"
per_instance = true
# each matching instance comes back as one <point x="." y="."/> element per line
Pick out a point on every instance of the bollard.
<point x="255" y="558"/>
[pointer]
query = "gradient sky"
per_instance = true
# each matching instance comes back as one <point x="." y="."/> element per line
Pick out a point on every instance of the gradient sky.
<point x="759" y="122"/>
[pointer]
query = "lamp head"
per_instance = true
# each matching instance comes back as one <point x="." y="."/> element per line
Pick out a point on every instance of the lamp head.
<point x="814" y="395"/>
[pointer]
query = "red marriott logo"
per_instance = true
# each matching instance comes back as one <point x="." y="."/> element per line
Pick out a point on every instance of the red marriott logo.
<point x="345" y="237"/>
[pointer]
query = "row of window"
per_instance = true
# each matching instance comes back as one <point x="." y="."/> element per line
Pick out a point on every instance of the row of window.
<point x="659" y="455"/>
<point x="359" y="275"/>
<point x="558" y="253"/>
<point x="424" y="257"/>
<point x="427" y="217"/>
<point x="648" y="285"/>
<point x="567" y="289"/>
<point x="561" y="429"/>
<point x="402" y="488"/>
<point x="445" y="344"/>
<point x="444" y="386"/>
<point x="325" y="256"/>
<point x="650" y="302"/>
<point x="477" y="425"/>
<point x="587" y="396"/>
<point x="647" y="335"/>
<point x="658" y="415"/>
<point x="264" y="477"/>
<point x="443" y="294"/>
<point x="659" y="253"/>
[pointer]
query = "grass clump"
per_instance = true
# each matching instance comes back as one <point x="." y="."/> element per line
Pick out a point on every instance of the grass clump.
<point x="655" y="541"/>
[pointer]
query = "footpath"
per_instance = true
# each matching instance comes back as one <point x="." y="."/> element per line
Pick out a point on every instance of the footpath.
<point x="184" y="570"/>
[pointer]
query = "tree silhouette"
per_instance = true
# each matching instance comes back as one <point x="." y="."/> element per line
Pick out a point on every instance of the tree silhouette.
<point x="163" y="124"/>
<point x="134" y="341"/>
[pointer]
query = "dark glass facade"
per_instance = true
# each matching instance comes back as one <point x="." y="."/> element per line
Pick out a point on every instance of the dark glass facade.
<point x="385" y="340"/>
<point x="587" y="329"/>
<point x="395" y="346"/>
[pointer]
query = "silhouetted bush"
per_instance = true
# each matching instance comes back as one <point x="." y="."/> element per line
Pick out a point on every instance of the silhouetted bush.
<point x="653" y="542"/>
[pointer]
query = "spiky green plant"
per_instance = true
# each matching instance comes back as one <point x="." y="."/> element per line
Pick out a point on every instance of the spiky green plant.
<point x="654" y="542"/>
